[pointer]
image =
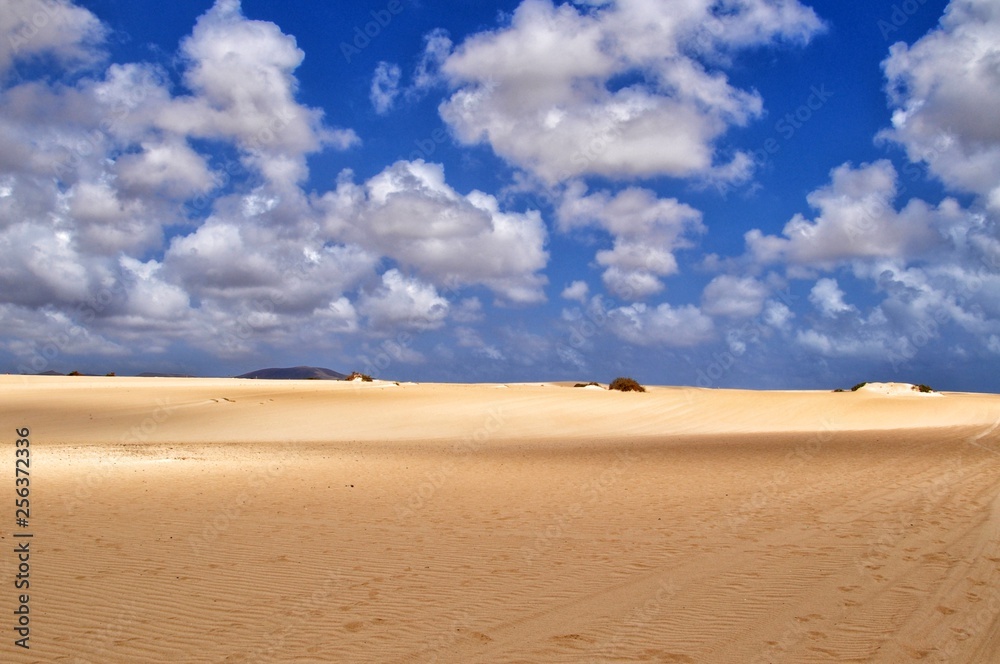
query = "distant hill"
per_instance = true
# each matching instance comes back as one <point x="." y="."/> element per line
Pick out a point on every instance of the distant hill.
<point x="295" y="373"/>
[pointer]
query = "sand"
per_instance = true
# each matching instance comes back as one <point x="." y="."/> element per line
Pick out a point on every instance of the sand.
<point x="205" y="520"/>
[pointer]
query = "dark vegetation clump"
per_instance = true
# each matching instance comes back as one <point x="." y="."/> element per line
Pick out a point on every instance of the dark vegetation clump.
<point x="923" y="388"/>
<point x="75" y="373"/>
<point x="840" y="389"/>
<point x="587" y="384"/>
<point x="626" y="385"/>
<point x="364" y="378"/>
<point x="858" y="386"/>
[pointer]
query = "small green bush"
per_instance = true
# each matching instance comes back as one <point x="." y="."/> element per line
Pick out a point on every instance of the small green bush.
<point x="626" y="385"/>
<point x="357" y="375"/>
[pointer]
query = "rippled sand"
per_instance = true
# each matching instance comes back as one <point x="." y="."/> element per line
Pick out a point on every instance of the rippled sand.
<point x="204" y="520"/>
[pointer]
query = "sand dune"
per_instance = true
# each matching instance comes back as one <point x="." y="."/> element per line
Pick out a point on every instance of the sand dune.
<point x="209" y="520"/>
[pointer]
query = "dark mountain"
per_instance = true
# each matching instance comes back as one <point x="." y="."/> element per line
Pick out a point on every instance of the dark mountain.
<point x="295" y="373"/>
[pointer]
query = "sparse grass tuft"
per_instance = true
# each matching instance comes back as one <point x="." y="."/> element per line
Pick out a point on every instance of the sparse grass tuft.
<point x="626" y="385"/>
<point x="587" y="384"/>
<point x="357" y="375"/>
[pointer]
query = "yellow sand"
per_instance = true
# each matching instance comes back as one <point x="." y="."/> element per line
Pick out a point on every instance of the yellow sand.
<point x="211" y="520"/>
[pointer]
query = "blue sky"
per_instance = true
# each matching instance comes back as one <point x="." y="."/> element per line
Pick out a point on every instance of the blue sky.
<point x="751" y="193"/>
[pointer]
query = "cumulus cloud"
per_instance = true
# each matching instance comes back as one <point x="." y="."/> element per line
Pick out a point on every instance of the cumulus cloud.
<point x="408" y="212"/>
<point x="232" y="259"/>
<point x="646" y="231"/>
<point x="405" y="303"/>
<point x="93" y="171"/>
<point x="437" y="48"/>
<point x="777" y="315"/>
<point x="578" y="290"/>
<point x="570" y="118"/>
<point x="34" y="29"/>
<point x="242" y="75"/>
<point x="663" y="325"/>
<point x="856" y="220"/>
<point x="939" y="87"/>
<point x="827" y="297"/>
<point x="385" y="87"/>
<point x="469" y="338"/>
<point x="734" y="297"/>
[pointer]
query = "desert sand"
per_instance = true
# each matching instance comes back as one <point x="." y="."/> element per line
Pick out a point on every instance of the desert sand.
<point x="223" y="520"/>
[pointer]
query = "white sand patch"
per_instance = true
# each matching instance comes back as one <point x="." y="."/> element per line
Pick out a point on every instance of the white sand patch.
<point x="896" y="389"/>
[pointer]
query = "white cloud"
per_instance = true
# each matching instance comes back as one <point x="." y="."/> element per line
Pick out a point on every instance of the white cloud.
<point x="150" y="297"/>
<point x="404" y="303"/>
<point x="437" y="48"/>
<point x="338" y="316"/>
<point x="663" y="325"/>
<point x="108" y="223"/>
<point x="56" y="28"/>
<point x="856" y="220"/>
<point x="734" y="297"/>
<point x="777" y="315"/>
<point x="385" y="87"/>
<point x="578" y="290"/>
<point x="468" y="310"/>
<point x="940" y="87"/>
<point x="44" y="339"/>
<point x="229" y="260"/>
<point x="860" y="344"/>
<point x="169" y="168"/>
<point x="647" y="231"/>
<point x="409" y="213"/>
<point x="567" y="118"/>
<point x="241" y="73"/>
<point x="827" y="297"/>
<point x="469" y="338"/>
